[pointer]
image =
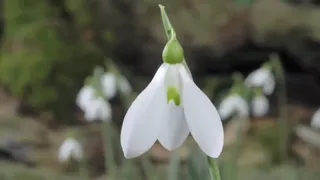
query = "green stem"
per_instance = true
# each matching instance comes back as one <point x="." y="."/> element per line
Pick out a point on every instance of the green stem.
<point x="213" y="169"/>
<point x="282" y="103"/>
<point x="107" y="137"/>
<point x="147" y="168"/>
<point x="169" y="30"/>
<point x="174" y="166"/>
<point x="237" y="149"/>
<point x="284" y="125"/>
<point x="83" y="169"/>
<point x="304" y="170"/>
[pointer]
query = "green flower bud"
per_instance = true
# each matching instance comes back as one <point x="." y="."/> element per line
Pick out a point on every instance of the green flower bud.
<point x="173" y="52"/>
<point x="173" y="95"/>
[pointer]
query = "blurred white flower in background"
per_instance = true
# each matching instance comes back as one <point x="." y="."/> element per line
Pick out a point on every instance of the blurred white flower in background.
<point x="85" y="96"/>
<point x="233" y="104"/>
<point x="168" y="109"/>
<point x="260" y="106"/>
<point x="113" y="83"/>
<point x="98" y="109"/>
<point x="94" y="107"/>
<point x="263" y="78"/>
<point x="315" y="120"/>
<point x="70" y="149"/>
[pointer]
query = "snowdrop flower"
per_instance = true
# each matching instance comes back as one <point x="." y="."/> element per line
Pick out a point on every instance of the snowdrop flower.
<point x="70" y="149"/>
<point x="169" y="108"/>
<point x="260" y="106"/>
<point x="315" y="120"/>
<point x="85" y="95"/>
<point x="98" y="109"/>
<point x="262" y="77"/>
<point x="112" y="83"/>
<point x="233" y="104"/>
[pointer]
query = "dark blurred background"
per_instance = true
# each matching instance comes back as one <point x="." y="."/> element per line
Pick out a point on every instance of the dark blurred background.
<point x="49" y="47"/>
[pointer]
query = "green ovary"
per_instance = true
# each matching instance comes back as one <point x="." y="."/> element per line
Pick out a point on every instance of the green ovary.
<point x="173" y="95"/>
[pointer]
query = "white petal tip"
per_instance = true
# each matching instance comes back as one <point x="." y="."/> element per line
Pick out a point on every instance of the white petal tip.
<point x="130" y="155"/>
<point x="215" y="154"/>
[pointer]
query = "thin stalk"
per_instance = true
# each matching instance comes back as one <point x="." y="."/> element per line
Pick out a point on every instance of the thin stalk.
<point x="107" y="137"/>
<point x="169" y="30"/>
<point x="240" y="136"/>
<point x="148" y="168"/>
<point x="83" y="169"/>
<point x="283" y="124"/>
<point x="213" y="169"/>
<point x="174" y="166"/>
<point x="283" y="121"/>
<point x="304" y="171"/>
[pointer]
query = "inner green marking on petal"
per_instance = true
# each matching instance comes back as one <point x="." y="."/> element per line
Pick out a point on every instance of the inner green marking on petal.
<point x="173" y="95"/>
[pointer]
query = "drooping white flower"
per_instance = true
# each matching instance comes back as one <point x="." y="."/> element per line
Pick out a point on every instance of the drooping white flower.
<point x="94" y="108"/>
<point x="112" y="83"/>
<point x="168" y="109"/>
<point x="85" y="95"/>
<point x="98" y="109"/>
<point x="260" y="106"/>
<point x="315" y="120"/>
<point x="263" y="78"/>
<point x="70" y="149"/>
<point x="233" y="105"/>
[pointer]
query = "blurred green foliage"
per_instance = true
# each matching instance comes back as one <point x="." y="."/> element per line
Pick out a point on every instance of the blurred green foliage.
<point x="45" y="57"/>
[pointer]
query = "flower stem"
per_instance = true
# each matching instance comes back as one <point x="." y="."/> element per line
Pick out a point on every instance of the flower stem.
<point x="83" y="169"/>
<point x="213" y="169"/>
<point x="169" y="30"/>
<point x="107" y="137"/>
<point x="283" y="125"/>
<point x="240" y="135"/>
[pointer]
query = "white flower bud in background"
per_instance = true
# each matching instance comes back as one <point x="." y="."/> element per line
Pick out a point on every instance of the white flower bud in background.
<point x="315" y="120"/>
<point x="85" y="95"/>
<point x="70" y="149"/>
<point x="233" y="105"/>
<point x="260" y="106"/>
<point x="98" y="109"/>
<point x="112" y="83"/>
<point x="263" y="78"/>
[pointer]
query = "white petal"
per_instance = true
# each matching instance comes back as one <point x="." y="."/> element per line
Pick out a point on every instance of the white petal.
<point x="233" y="105"/>
<point x="70" y="148"/>
<point x="269" y="85"/>
<point x="261" y="77"/>
<point x="141" y="124"/>
<point x="124" y="85"/>
<point x="92" y="111"/>
<point x="86" y="94"/>
<point x="105" y="111"/>
<point x="77" y="151"/>
<point x="227" y="107"/>
<point x="64" y="153"/>
<point x="109" y="85"/>
<point x="260" y="106"/>
<point x="315" y="120"/>
<point x="257" y="77"/>
<point x="202" y="118"/>
<point x="98" y="109"/>
<point x="175" y="129"/>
